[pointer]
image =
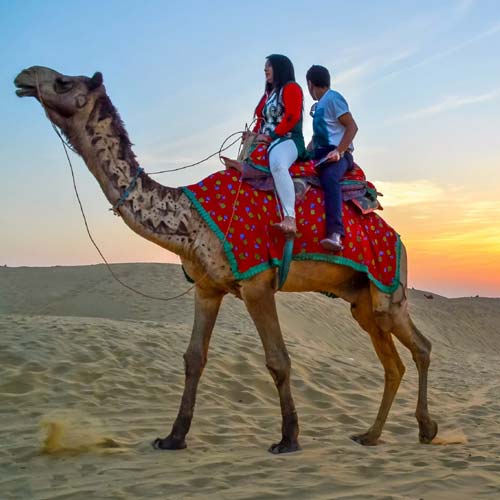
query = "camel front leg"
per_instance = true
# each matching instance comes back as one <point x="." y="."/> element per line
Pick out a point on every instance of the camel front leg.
<point x="261" y="305"/>
<point x="207" y="303"/>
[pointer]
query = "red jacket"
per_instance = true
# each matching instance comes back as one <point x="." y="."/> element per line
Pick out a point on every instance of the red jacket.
<point x="292" y="102"/>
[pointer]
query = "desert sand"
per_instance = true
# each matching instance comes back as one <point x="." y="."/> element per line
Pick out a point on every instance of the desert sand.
<point x="91" y="373"/>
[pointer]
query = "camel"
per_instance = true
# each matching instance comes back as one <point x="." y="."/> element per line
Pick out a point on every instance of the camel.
<point x="80" y="107"/>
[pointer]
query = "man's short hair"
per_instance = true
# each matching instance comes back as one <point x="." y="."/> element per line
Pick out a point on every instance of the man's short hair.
<point x="318" y="76"/>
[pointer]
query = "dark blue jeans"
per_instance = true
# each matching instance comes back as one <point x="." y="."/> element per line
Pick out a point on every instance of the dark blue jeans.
<point x="330" y="175"/>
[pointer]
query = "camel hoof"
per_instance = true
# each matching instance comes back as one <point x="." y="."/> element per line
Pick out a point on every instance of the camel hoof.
<point x="427" y="434"/>
<point x="169" y="443"/>
<point x="365" y="439"/>
<point x="284" y="447"/>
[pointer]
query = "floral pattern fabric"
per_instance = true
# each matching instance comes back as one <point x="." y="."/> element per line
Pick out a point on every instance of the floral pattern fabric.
<point x="242" y="218"/>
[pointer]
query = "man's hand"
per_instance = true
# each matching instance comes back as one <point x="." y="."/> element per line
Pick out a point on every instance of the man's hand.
<point x="333" y="156"/>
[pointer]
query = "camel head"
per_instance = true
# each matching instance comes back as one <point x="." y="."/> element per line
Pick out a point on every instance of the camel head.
<point x="65" y="98"/>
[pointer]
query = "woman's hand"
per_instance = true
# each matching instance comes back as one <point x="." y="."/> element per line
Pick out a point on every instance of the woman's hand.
<point x="333" y="155"/>
<point x="264" y="138"/>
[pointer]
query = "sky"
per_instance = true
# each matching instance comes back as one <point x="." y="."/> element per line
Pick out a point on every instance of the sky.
<point x="422" y="79"/>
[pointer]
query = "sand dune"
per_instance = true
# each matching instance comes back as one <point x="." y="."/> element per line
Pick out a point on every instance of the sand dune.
<point x="90" y="374"/>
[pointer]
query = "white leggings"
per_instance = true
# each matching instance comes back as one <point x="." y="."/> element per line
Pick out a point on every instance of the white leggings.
<point x="281" y="158"/>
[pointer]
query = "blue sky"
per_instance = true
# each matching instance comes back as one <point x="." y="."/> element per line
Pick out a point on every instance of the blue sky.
<point x="422" y="80"/>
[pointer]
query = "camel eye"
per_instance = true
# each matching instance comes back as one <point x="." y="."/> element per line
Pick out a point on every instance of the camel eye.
<point x="63" y="85"/>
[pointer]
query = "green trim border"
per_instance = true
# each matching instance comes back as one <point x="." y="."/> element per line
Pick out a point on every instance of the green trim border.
<point x="348" y="182"/>
<point x="258" y="167"/>
<point x="319" y="257"/>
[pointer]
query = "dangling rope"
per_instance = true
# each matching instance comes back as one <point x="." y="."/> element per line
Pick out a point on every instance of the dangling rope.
<point x="221" y="149"/>
<point x="132" y="289"/>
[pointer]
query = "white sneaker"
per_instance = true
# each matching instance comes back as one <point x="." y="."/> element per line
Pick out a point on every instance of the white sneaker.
<point x="333" y="243"/>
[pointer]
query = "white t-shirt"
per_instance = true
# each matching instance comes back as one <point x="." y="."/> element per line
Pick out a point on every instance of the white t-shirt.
<point x="327" y="129"/>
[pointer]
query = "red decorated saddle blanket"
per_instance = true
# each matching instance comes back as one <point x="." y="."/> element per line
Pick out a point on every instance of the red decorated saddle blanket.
<point x="242" y="216"/>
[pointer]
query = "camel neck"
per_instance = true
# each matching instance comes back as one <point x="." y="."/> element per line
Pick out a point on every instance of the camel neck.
<point x="158" y="213"/>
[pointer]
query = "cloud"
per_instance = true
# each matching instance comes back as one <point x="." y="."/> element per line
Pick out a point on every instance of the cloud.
<point x="464" y="6"/>
<point x="484" y="240"/>
<point x="357" y="73"/>
<point x="370" y="150"/>
<point x="383" y="59"/>
<point x="444" y="216"/>
<point x="379" y="55"/>
<point x="448" y="103"/>
<point x="397" y="194"/>
<point x="493" y="30"/>
<point x="483" y="212"/>
<point x="466" y="205"/>
<point x="163" y="159"/>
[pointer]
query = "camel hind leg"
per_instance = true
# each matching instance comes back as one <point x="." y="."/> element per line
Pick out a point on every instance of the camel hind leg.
<point x="394" y="368"/>
<point x="411" y="337"/>
<point x="391" y="315"/>
<point x="391" y="312"/>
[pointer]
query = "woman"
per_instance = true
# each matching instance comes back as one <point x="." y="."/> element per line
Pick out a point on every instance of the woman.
<point x="279" y="123"/>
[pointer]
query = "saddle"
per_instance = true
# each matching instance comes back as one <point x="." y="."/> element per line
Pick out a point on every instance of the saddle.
<point x="253" y="164"/>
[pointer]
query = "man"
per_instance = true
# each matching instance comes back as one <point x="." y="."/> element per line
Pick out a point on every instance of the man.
<point x="334" y="129"/>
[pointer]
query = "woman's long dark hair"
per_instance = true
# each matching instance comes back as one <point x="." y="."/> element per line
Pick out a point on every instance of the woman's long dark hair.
<point x="283" y="72"/>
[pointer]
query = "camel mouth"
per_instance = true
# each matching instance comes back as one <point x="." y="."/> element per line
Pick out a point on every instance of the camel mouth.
<point x="25" y="84"/>
<point x="26" y="90"/>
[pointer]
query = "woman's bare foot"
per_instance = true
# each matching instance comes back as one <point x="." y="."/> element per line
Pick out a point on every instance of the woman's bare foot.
<point x="287" y="226"/>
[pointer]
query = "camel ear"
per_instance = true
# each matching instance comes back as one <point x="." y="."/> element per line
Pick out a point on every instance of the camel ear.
<point x="95" y="81"/>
